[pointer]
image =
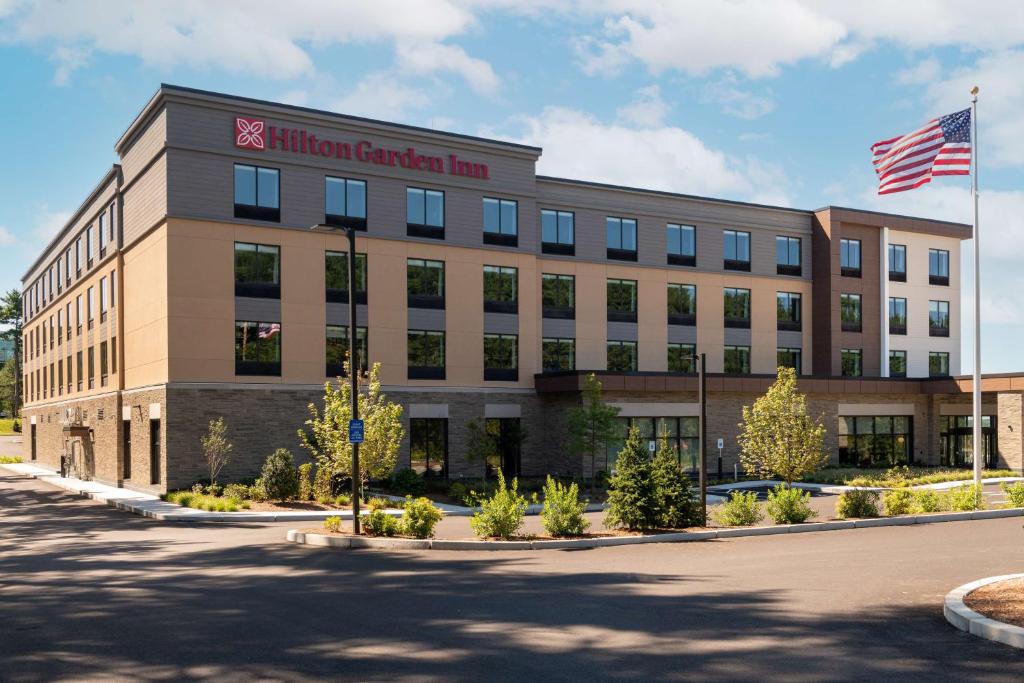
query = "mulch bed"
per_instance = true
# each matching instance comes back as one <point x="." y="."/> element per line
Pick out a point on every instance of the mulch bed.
<point x="1002" y="601"/>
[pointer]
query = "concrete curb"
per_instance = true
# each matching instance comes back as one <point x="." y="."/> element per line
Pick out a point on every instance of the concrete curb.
<point x="962" y="617"/>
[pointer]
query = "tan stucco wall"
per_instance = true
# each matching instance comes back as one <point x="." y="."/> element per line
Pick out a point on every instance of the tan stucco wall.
<point x="145" y="310"/>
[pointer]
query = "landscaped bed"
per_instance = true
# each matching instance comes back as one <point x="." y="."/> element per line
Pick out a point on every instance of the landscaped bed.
<point x="898" y="476"/>
<point x="1002" y="601"/>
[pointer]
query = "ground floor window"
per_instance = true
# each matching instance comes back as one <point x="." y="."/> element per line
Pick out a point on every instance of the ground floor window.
<point x="681" y="433"/>
<point x="428" y="446"/>
<point x="876" y="441"/>
<point x="956" y="440"/>
<point x="507" y="436"/>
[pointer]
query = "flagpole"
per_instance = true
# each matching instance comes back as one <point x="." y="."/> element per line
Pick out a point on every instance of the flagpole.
<point x="978" y="446"/>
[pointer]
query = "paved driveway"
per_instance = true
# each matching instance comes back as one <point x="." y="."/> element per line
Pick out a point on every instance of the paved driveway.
<point x="94" y="594"/>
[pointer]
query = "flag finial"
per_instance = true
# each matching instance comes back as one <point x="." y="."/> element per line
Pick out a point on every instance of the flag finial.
<point x="974" y="91"/>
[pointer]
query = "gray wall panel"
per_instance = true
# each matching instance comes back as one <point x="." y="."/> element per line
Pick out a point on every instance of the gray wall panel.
<point x="682" y="334"/>
<point x="556" y="327"/>
<point x="501" y="323"/>
<point x="737" y="337"/>
<point x="622" y="331"/>
<point x="426" y="319"/>
<point x="257" y="310"/>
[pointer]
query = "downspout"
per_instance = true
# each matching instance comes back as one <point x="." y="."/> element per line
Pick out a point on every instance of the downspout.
<point x="884" y="289"/>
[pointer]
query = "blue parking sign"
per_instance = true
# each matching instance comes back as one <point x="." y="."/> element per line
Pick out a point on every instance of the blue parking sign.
<point x="355" y="431"/>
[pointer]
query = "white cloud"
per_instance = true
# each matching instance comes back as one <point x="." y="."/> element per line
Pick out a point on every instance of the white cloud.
<point x="6" y="236"/>
<point x="381" y="95"/>
<point x="425" y="58"/>
<point x="68" y="60"/>
<point x="647" y="110"/>
<point x="735" y="100"/>
<point x="925" y="71"/>
<point x="662" y="157"/>
<point x="49" y="222"/>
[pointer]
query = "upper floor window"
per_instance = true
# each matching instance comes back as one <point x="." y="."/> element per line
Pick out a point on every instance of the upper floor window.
<point x="897" y="315"/>
<point x="103" y="299"/>
<point x="257" y="270"/>
<point x="501" y="222"/>
<point x="337" y="350"/>
<point x="345" y="202"/>
<point x="90" y="306"/>
<point x="425" y="282"/>
<point x="558" y="296"/>
<point x="682" y="358"/>
<point x="851" y="362"/>
<point x="737" y="307"/>
<point x="88" y="246"/>
<point x="501" y="289"/>
<point x="938" y="318"/>
<point x="558" y="354"/>
<point x="682" y="304"/>
<point x="257" y="348"/>
<point x="424" y="212"/>
<point x="788" y="358"/>
<point x="257" y="193"/>
<point x="897" y="363"/>
<point x="501" y="357"/>
<point x="736" y="360"/>
<point x="622" y="356"/>
<point x="682" y="244"/>
<point x="938" y="364"/>
<point x="787" y="306"/>
<point x="898" y="262"/>
<point x="336" y="271"/>
<point x="737" y="250"/>
<point x="621" y="238"/>
<point x="60" y="279"/>
<point x="787" y="255"/>
<point x="103" y="233"/>
<point x="849" y="257"/>
<point x="850" y="312"/>
<point x="557" y="232"/>
<point x="938" y="267"/>
<point x="78" y="256"/>
<point x="621" y="300"/>
<point x="426" y="354"/>
<point x="78" y="314"/>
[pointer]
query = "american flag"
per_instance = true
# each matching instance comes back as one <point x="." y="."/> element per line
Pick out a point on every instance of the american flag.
<point x="266" y="331"/>
<point x="940" y="147"/>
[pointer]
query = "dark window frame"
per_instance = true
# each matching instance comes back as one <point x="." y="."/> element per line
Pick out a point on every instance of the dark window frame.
<point x="617" y="314"/>
<point x="940" y="355"/>
<point x="736" y="263"/>
<point x="337" y="369"/>
<point x="621" y="253"/>
<point x="260" y="289"/>
<point x="899" y="327"/>
<point x="258" y="367"/>
<point x="789" y="268"/>
<point x="420" y="300"/>
<point x="501" y="373"/>
<point x="425" y="229"/>
<point x="559" y="352"/>
<point x="850" y="270"/>
<point x="339" y="295"/>
<point x="500" y="305"/>
<point x="898" y="353"/>
<point x="789" y="322"/>
<point x="257" y="211"/>
<point x="622" y="344"/>
<point x="736" y="348"/>
<point x="680" y="258"/>
<point x="688" y="352"/>
<point x="559" y="247"/>
<point x="897" y="274"/>
<point x="501" y="237"/>
<point x="936" y="330"/>
<point x="416" y="438"/>
<point x="346" y="220"/>
<point x="942" y="259"/>
<point x="848" y="324"/>
<point x="795" y="352"/>
<point x="426" y="371"/>
<point x="555" y="311"/>
<point x="857" y="354"/>
<point x="732" y="321"/>
<point x="682" y="318"/>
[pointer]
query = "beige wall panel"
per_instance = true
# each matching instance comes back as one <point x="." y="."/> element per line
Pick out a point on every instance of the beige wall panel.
<point x="591" y="317"/>
<point x="145" y="311"/>
<point x="303" y="309"/>
<point x="710" y="320"/>
<point x="464" y="321"/>
<point x="388" y="310"/>
<point x="652" y="320"/>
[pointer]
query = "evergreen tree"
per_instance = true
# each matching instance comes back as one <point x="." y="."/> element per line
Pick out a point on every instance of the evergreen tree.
<point x="632" y="499"/>
<point x="674" y="502"/>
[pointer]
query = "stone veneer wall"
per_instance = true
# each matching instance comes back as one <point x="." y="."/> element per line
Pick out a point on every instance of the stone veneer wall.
<point x="97" y="455"/>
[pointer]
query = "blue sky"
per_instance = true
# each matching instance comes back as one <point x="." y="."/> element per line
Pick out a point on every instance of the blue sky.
<point x="768" y="101"/>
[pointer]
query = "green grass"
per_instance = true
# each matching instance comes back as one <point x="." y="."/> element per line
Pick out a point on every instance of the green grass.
<point x="7" y="426"/>
<point x="9" y="459"/>
<point x="911" y="476"/>
<point x="201" y="501"/>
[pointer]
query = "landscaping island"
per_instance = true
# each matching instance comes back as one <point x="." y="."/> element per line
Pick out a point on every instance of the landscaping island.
<point x="1002" y="601"/>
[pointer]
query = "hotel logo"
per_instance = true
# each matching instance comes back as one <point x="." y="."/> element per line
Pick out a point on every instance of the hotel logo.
<point x="249" y="133"/>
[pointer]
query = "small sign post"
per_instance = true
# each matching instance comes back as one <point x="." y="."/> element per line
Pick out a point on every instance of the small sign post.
<point x="652" y="445"/>
<point x="721" y="445"/>
<point x="355" y="431"/>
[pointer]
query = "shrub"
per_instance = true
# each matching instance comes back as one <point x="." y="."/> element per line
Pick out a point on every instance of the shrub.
<point x="380" y="523"/>
<point x="632" y="503"/>
<point x="323" y="484"/>
<point x="501" y="515"/>
<point x="236" y="491"/>
<point x="407" y="483"/>
<point x="419" y="517"/>
<point x="215" y="490"/>
<point x="333" y="524"/>
<point x="563" y="510"/>
<point x="457" y="491"/>
<point x="343" y="500"/>
<point x="9" y="459"/>
<point x="202" y="501"/>
<point x="380" y="504"/>
<point x="787" y="505"/>
<point x="898" y="501"/>
<point x="966" y="498"/>
<point x="674" y="503"/>
<point x="1014" y="494"/>
<point x="305" y="481"/>
<point x="857" y="503"/>
<point x="280" y="479"/>
<point x="928" y="500"/>
<point x="16" y="428"/>
<point x="742" y="509"/>
<point x="198" y="489"/>
<point x="258" y="492"/>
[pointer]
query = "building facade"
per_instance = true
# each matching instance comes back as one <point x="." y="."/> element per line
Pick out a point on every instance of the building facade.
<point x="206" y="275"/>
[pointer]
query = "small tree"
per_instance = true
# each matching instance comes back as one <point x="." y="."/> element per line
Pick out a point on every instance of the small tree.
<point x="674" y="501"/>
<point x="327" y="436"/>
<point x="777" y="438"/>
<point x="216" y="448"/>
<point x="591" y="425"/>
<point x="11" y="330"/>
<point x="632" y="498"/>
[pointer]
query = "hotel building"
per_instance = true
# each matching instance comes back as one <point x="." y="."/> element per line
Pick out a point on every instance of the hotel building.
<point x="206" y="276"/>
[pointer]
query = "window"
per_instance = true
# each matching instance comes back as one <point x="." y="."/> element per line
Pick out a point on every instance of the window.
<point x="898" y="262"/>
<point x="622" y="356"/>
<point x="154" y="452"/>
<point x="426" y="354"/>
<point x="88" y="247"/>
<point x="337" y="350"/>
<point x="849" y="258"/>
<point x="113" y="288"/>
<point x="60" y="280"/>
<point x="425" y="281"/>
<point x="336" y="276"/>
<point x="103" y="364"/>
<point x="113" y="355"/>
<point x="897" y="315"/>
<point x="557" y="232"/>
<point x="621" y="238"/>
<point x="682" y="304"/>
<point x="737" y="307"/>
<point x="501" y="222"/>
<point x="851" y="363"/>
<point x="850" y="312"/>
<point x="257" y="270"/>
<point x="92" y="366"/>
<point x="681" y="434"/>
<point x="681" y="358"/>
<point x="67" y="364"/>
<point x="52" y="333"/>
<point x="938" y="318"/>
<point x="787" y="306"/>
<point x="89" y="306"/>
<point x="737" y="250"/>
<point x="938" y="267"/>
<point x="558" y="296"/>
<point x="787" y="255"/>
<point x="682" y="245"/>
<point x="501" y="357"/>
<point x="428" y="446"/>
<point x="938" y="364"/>
<point x="424" y="212"/>
<point x="60" y="324"/>
<point x="60" y="376"/>
<point x="897" y="363"/>
<point x="78" y="256"/>
<point x="257" y="348"/>
<point x="879" y="441"/>
<point x="78" y="317"/>
<point x="67" y="266"/>
<point x="558" y="354"/>
<point x="788" y="358"/>
<point x="103" y="233"/>
<point x="501" y="289"/>
<point x="622" y="300"/>
<point x="103" y="299"/>
<point x="737" y="360"/>
<point x="257" y="193"/>
<point x="67" y="318"/>
<point x="345" y="203"/>
<point x="126" y="449"/>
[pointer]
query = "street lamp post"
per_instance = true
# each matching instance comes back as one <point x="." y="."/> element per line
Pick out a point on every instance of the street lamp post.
<point x="702" y="427"/>
<point x="353" y="370"/>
